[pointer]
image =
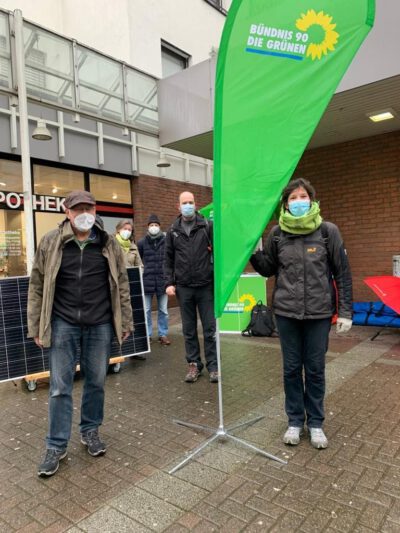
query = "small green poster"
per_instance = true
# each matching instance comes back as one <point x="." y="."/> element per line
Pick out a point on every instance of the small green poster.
<point x="249" y="289"/>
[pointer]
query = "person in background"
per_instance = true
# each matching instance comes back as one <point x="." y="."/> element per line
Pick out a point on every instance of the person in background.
<point x="152" y="251"/>
<point x="124" y="236"/>
<point x="78" y="299"/>
<point x="306" y="255"/>
<point x="189" y="274"/>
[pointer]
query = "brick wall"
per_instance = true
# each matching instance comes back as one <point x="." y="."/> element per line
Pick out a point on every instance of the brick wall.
<point x="357" y="183"/>
<point x="161" y="196"/>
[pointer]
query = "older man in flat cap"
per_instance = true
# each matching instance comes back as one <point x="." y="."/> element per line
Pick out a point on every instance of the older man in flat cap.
<point x="78" y="299"/>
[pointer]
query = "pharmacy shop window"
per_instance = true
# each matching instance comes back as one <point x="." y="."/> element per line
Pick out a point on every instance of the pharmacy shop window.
<point x="111" y="189"/>
<point x="50" y="181"/>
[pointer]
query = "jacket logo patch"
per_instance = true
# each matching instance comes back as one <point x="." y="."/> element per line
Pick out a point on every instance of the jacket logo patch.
<point x="311" y="250"/>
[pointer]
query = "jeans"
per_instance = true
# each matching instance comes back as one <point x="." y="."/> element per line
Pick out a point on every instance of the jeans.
<point x="162" y="318"/>
<point x="190" y="300"/>
<point x="304" y="344"/>
<point x="94" y="343"/>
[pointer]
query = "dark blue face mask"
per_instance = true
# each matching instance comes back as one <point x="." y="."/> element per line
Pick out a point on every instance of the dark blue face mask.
<point x="298" y="208"/>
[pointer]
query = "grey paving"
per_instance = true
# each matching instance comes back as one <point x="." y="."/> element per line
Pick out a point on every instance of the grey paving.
<point x="352" y="486"/>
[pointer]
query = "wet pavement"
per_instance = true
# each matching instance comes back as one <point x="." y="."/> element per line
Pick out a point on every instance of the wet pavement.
<point x="354" y="485"/>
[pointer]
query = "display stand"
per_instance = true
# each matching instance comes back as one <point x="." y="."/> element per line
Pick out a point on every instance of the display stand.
<point x="221" y="432"/>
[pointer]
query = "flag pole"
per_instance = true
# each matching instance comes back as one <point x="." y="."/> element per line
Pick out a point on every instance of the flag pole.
<point x="221" y="432"/>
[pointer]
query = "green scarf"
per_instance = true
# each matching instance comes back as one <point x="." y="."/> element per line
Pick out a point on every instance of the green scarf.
<point x="125" y="244"/>
<point x="301" y="225"/>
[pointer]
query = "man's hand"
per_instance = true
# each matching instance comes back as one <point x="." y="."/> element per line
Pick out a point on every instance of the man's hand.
<point x="171" y="290"/>
<point x="343" y="325"/>
<point x="38" y="342"/>
<point x="125" y="335"/>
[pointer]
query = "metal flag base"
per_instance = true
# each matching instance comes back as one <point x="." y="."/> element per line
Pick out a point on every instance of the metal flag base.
<point x="221" y="433"/>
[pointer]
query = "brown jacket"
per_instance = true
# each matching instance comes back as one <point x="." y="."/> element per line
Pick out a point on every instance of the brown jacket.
<point x="43" y="281"/>
<point x="132" y="258"/>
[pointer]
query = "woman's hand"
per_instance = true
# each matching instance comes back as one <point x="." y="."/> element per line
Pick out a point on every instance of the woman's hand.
<point x="343" y="325"/>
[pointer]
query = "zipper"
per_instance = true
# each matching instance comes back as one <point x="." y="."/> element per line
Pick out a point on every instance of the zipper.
<point x="80" y="285"/>
<point x="305" y="278"/>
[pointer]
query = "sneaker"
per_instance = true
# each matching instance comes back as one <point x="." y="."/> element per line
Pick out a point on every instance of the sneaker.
<point x="51" y="462"/>
<point x="192" y="374"/>
<point x="164" y="340"/>
<point x="318" y="438"/>
<point x="292" y="435"/>
<point x="214" y="376"/>
<point x="92" y="440"/>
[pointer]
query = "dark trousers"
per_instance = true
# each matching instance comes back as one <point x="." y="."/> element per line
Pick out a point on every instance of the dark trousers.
<point x="304" y="344"/>
<point x="191" y="300"/>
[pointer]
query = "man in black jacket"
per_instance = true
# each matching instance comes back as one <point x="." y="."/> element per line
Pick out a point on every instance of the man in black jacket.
<point x="189" y="275"/>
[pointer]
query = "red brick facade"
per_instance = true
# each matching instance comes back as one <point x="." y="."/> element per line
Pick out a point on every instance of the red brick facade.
<point x="357" y="183"/>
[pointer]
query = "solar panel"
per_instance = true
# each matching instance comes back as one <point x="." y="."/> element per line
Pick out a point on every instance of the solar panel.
<point x="19" y="356"/>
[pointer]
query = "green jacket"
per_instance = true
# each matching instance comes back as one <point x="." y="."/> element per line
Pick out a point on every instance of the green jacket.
<point x="43" y="281"/>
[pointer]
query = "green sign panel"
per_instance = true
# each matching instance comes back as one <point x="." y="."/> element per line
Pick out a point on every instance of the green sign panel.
<point x="248" y="290"/>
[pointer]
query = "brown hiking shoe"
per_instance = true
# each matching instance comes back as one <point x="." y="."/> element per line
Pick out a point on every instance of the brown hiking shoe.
<point x="192" y="374"/>
<point x="164" y="341"/>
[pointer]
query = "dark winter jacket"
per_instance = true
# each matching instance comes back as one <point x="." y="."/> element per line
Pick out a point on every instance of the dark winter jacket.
<point x="152" y="252"/>
<point x="303" y="266"/>
<point x="188" y="259"/>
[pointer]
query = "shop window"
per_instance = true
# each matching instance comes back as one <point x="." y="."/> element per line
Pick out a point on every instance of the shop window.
<point x="46" y="222"/>
<point x="10" y="176"/>
<point x="12" y="243"/>
<point x="109" y="189"/>
<point x="173" y="60"/>
<point x="49" y="181"/>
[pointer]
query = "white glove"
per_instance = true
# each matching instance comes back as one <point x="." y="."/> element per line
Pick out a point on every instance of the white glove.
<point x="343" y="325"/>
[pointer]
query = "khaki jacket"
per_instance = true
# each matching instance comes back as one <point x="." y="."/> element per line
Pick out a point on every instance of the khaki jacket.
<point x="132" y="258"/>
<point x="43" y="281"/>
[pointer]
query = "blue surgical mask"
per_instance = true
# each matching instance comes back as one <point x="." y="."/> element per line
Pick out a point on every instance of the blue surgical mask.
<point x="188" y="210"/>
<point x="298" y="208"/>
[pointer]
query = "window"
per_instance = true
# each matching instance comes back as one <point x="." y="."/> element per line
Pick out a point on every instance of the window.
<point x="110" y="189"/>
<point x="173" y="60"/>
<point x="218" y="4"/>
<point x="51" y="181"/>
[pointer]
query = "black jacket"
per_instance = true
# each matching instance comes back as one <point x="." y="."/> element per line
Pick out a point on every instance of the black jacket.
<point x="152" y="252"/>
<point x="303" y="266"/>
<point x="188" y="259"/>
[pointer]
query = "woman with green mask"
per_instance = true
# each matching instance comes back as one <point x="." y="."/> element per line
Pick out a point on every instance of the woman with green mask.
<point x="124" y="236"/>
<point x="308" y="258"/>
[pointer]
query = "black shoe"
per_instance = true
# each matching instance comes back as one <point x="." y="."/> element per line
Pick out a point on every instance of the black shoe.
<point x="92" y="440"/>
<point x="51" y="462"/>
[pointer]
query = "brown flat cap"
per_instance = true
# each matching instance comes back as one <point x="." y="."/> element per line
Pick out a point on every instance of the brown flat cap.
<point x="79" y="197"/>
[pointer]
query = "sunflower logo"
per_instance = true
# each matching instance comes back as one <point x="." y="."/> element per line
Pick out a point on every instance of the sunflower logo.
<point x="250" y="299"/>
<point x="322" y="30"/>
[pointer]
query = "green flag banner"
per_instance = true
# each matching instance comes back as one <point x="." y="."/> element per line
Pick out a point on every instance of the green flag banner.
<point x="279" y="64"/>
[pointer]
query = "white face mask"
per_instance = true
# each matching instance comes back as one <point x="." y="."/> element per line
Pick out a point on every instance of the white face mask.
<point x="125" y="234"/>
<point x="84" y="222"/>
<point x="154" y="230"/>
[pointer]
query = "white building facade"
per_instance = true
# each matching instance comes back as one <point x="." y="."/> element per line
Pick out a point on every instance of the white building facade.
<point x="91" y="70"/>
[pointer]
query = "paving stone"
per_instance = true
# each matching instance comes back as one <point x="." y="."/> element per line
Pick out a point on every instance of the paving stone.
<point x="175" y="491"/>
<point x="356" y="478"/>
<point x="111" y="521"/>
<point x="203" y="476"/>
<point x="147" y="509"/>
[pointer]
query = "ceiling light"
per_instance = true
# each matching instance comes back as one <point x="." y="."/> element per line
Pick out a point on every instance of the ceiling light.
<point x="114" y="196"/>
<point x="382" y="115"/>
<point x="2" y="184"/>
<point x="41" y="133"/>
<point x="54" y="190"/>
<point x="163" y="162"/>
